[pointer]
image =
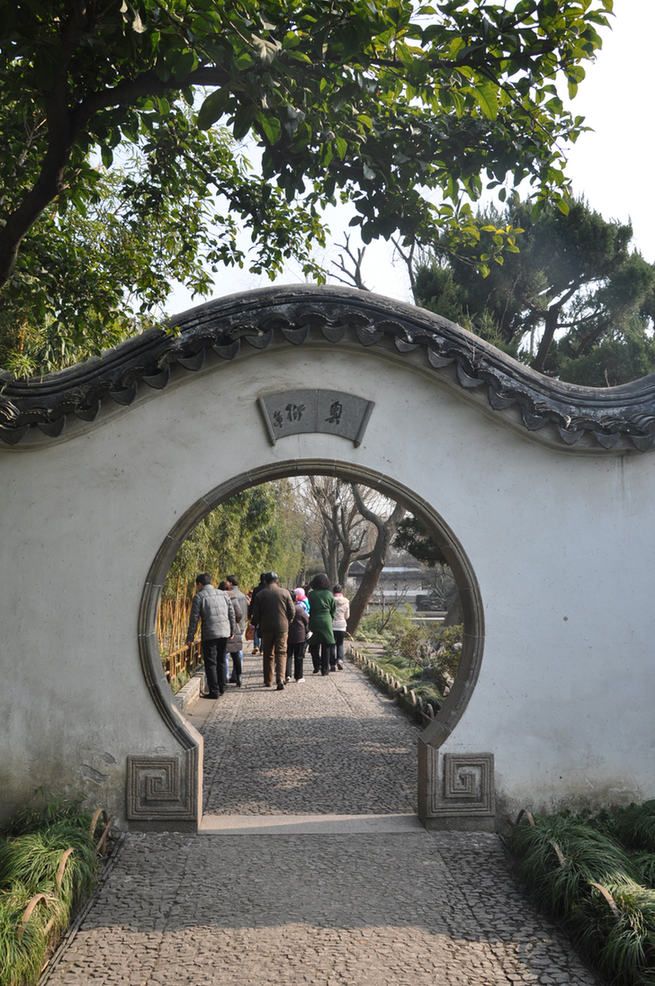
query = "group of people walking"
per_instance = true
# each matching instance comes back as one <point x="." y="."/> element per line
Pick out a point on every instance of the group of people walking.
<point x="284" y="624"/>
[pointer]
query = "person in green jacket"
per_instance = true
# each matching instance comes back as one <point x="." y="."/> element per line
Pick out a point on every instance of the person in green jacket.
<point x="322" y="608"/>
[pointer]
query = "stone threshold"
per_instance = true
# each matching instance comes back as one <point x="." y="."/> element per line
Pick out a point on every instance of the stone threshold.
<point x="308" y="824"/>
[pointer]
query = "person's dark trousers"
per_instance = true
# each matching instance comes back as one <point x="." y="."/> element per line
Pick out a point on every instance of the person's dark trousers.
<point x="321" y="657"/>
<point x="339" y="637"/>
<point x="213" y="652"/>
<point x="237" y="666"/>
<point x="295" y="658"/>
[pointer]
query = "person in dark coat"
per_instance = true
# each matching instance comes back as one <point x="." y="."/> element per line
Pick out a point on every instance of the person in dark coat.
<point x="272" y="610"/>
<point x="257" y="643"/>
<point x="322" y="608"/>
<point x="297" y="640"/>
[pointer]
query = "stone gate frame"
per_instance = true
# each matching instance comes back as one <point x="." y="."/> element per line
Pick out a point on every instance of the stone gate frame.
<point x="539" y="493"/>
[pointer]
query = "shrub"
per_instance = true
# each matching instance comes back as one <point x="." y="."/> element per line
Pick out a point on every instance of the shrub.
<point x="578" y="871"/>
<point x="636" y="826"/>
<point x="408" y="638"/>
<point x="48" y="866"/>
<point x="447" y="642"/>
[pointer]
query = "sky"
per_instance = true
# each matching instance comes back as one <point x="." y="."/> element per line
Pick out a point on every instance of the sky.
<point x="610" y="165"/>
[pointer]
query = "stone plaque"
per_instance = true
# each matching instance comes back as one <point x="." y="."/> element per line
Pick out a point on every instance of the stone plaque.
<point x="296" y="412"/>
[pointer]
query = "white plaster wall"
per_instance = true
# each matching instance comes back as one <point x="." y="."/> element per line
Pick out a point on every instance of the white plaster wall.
<point x="562" y="547"/>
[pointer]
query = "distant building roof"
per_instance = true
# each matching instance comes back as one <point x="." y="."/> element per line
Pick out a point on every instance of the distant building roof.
<point x="388" y="572"/>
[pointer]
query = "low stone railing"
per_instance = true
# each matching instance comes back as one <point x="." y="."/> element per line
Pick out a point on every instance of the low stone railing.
<point x="421" y="709"/>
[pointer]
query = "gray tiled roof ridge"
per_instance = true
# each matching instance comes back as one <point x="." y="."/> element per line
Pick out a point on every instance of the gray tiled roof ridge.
<point x="614" y="418"/>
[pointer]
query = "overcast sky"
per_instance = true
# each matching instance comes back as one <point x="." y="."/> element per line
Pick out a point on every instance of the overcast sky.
<point x="612" y="166"/>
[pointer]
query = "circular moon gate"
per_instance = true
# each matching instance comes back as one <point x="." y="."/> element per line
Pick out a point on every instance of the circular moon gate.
<point x="473" y="639"/>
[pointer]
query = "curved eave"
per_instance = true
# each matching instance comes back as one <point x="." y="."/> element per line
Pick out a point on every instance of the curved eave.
<point x="616" y="419"/>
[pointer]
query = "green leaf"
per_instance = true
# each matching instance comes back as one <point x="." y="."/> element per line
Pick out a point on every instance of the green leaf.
<point x="486" y="97"/>
<point x="271" y="127"/>
<point x="213" y="108"/>
<point x="185" y="63"/>
<point x="243" y="120"/>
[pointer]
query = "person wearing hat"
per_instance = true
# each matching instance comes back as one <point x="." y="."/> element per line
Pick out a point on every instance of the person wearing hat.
<point x="273" y="609"/>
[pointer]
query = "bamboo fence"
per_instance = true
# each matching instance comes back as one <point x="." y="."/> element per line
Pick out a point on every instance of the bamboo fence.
<point x="172" y="623"/>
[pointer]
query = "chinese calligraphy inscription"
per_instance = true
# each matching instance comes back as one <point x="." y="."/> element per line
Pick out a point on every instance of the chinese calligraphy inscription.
<point x="304" y="411"/>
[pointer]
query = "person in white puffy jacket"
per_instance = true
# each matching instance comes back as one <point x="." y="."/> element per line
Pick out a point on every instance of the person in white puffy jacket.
<point x="339" y="621"/>
<point x="214" y="610"/>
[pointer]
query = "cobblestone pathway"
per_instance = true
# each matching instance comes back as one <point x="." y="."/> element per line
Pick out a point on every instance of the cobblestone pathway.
<point x="328" y="745"/>
<point x="409" y="909"/>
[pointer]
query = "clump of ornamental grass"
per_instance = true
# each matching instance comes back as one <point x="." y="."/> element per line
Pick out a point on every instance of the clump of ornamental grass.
<point x="580" y="873"/>
<point x="615" y="926"/>
<point x="48" y="866"/>
<point x="22" y="947"/>
<point x="636" y="826"/>
<point x="36" y="859"/>
<point x="559" y="857"/>
<point x="644" y="864"/>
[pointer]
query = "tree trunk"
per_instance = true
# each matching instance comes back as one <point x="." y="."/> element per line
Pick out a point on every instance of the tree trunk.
<point x="550" y="328"/>
<point x="454" y="613"/>
<point x="330" y="554"/>
<point x="552" y="316"/>
<point x="385" y="533"/>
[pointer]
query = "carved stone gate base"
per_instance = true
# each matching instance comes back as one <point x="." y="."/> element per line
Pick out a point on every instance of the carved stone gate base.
<point x="455" y="790"/>
<point x="164" y="793"/>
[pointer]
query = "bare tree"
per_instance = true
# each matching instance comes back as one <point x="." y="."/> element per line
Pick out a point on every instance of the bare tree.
<point x="386" y="529"/>
<point x="350" y="523"/>
<point x="334" y="524"/>
<point x="354" y="276"/>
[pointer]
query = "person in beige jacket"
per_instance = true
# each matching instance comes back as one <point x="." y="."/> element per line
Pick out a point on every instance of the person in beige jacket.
<point x="339" y="624"/>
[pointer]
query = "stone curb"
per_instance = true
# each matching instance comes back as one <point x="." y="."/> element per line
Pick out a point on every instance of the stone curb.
<point x="422" y="710"/>
<point x="395" y="824"/>
<point x="190" y="693"/>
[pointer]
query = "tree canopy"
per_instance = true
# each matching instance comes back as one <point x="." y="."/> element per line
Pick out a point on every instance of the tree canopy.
<point x="404" y="110"/>
<point x="572" y="299"/>
<point x="413" y="537"/>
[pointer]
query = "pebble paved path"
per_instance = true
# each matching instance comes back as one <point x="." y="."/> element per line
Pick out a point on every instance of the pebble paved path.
<point x="409" y="909"/>
<point x="329" y="745"/>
